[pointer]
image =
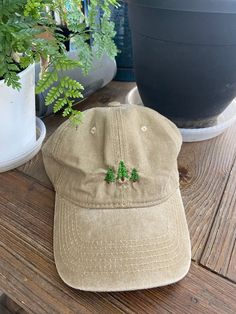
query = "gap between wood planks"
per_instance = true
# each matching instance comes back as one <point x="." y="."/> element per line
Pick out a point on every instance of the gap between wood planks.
<point x="216" y="213"/>
<point x="219" y="254"/>
<point x="200" y="289"/>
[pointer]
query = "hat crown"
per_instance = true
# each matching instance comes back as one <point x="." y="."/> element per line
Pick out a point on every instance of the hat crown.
<point x="77" y="160"/>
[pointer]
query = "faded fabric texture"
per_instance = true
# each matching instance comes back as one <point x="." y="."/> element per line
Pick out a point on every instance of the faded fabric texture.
<point x="119" y="235"/>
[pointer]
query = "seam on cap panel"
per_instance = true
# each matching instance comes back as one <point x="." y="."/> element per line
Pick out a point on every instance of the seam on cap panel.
<point x="122" y="157"/>
<point x="113" y="136"/>
<point x="177" y="138"/>
<point x="125" y="153"/>
<point x="112" y="205"/>
<point x="56" y="146"/>
<point x="123" y="139"/>
<point x="175" y="133"/>
<point x="114" y="141"/>
<point x="56" y="143"/>
<point x="119" y="134"/>
<point x="119" y="148"/>
<point x="119" y="205"/>
<point x="56" y="152"/>
<point x="53" y="152"/>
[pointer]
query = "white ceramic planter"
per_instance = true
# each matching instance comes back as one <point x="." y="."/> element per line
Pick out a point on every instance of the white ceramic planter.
<point x="17" y="116"/>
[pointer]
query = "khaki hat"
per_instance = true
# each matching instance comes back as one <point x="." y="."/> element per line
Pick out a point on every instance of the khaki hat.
<point x="119" y="219"/>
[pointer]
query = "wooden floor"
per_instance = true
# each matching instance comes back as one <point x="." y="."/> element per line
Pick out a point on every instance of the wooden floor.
<point x="208" y="185"/>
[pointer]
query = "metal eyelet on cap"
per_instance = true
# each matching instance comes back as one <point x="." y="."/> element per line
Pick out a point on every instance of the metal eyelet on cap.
<point x="93" y="130"/>
<point x="144" y="128"/>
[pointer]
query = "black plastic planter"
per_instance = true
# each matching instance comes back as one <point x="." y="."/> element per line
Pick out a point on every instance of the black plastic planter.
<point x="124" y="59"/>
<point x="185" y="57"/>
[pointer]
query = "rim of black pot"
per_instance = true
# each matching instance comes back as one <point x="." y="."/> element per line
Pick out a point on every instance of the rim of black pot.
<point x="211" y="6"/>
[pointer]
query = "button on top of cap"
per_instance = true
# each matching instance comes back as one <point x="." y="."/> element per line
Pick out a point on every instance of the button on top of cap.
<point x="114" y="104"/>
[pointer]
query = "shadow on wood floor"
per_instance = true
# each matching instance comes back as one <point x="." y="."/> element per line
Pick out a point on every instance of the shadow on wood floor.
<point x="8" y="306"/>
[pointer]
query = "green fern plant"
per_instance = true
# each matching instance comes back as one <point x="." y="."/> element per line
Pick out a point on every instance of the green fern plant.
<point x="29" y="33"/>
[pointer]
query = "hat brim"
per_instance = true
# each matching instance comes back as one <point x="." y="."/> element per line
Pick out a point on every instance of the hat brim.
<point x="121" y="249"/>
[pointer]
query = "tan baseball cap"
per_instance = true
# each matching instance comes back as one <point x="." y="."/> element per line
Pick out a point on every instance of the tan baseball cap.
<point x="119" y="219"/>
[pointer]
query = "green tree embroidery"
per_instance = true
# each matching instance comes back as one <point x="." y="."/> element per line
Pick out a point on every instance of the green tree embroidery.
<point x="134" y="175"/>
<point x="110" y="176"/>
<point x="122" y="172"/>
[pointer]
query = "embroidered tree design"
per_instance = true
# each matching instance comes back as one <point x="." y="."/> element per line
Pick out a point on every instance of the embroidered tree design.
<point x="122" y="172"/>
<point x="134" y="175"/>
<point x="110" y="176"/>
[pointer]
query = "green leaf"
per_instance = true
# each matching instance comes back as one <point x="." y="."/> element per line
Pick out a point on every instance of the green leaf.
<point x="47" y="79"/>
<point x="22" y="24"/>
<point x="13" y="80"/>
<point x="76" y="117"/>
<point x="85" y="53"/>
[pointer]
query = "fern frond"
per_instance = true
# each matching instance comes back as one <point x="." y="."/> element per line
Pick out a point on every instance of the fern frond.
<point x="85" y="53"/>
<point x="12" y="79"/>
<point x="53" y="94"/>
<point x="28" y="33"/>
<point x="47" y="79"/>
<point x="76" y="117"/>
<point x="59" y="104"/>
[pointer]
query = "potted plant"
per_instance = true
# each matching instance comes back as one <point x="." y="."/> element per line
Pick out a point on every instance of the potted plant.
<point x="101" y="71"/>
<point x="29" y="34"/>
<point x="184" y="55"/>
<point x="124" y="60"/>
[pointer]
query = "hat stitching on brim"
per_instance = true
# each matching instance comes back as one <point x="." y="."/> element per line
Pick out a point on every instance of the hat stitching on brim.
<point x="173" y="257"/>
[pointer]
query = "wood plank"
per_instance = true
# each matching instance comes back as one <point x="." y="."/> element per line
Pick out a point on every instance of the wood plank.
<point x="26" y="209"/>
<point x="27" y="270"/>
<point x="9" y="306"/>
<point x="204" y="169"/>
<point x="4" y="310"/>
<point x="231" y="272"/>
<point x="220" y="251"/>
<point x="28" y="274"/>
<point x="34" y="289"/>
<point x="199" y="292"/>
